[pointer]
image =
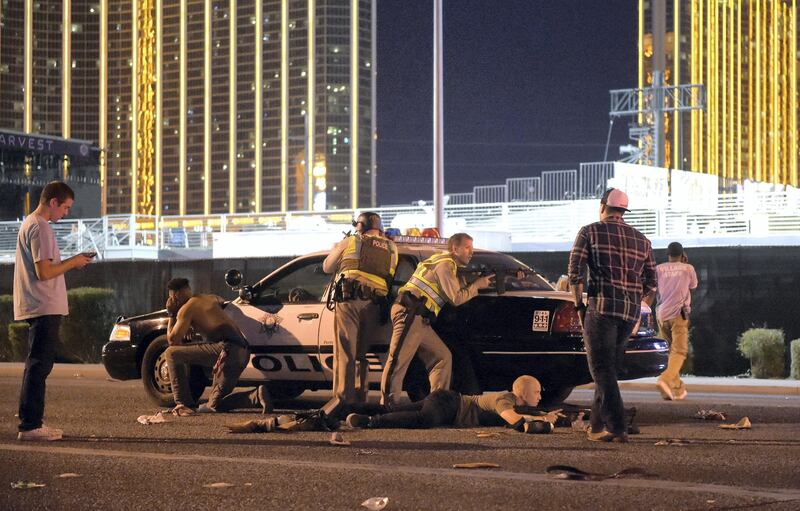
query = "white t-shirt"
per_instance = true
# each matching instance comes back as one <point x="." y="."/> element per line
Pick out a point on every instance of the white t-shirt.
<point x="33" y="297"/>
<point x="674" y="282"/>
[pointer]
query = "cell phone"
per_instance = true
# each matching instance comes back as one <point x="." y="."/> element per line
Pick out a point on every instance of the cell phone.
<point x="90" y="254"/>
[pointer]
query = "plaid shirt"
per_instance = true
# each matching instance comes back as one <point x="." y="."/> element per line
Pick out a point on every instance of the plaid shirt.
<point x="621" y="267"/>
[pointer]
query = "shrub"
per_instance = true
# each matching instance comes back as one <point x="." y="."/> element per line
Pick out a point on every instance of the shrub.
<point x="17" y="341"/>
<point x="795" y="350"/>
<point x="6" y="317"/>
<point x="85" y="330"/>
<point x="765" y="350"/>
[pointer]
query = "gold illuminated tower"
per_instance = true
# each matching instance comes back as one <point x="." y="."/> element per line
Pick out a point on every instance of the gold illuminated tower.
<point x="245" y="106"/>
<point x="744" y="52"/>
<point x="201" y="106"/>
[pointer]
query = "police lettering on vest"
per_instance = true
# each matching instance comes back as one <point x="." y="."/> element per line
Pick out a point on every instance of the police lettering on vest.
<point x="421" y="282"/>
<point x="372" y="258"/>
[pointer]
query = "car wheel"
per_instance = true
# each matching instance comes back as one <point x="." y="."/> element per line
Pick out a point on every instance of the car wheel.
<point x="284" y="391"/>
<point x="155" y="375"/>
<point x="553" y="396"/>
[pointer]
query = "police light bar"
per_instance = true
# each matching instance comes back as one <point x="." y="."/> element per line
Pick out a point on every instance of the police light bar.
<point x="419" y="240"/>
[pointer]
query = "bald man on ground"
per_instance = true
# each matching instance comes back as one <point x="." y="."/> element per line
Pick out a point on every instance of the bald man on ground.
<point x="449" y="408"/>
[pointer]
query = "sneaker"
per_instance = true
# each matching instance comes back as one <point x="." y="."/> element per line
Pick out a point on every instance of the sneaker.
<point x="355" y="420"/>
<point x="41" y="434"/>
<point x="204" y="408"/>
<point x="264" y="399"/>
<point x="666" y="392"/>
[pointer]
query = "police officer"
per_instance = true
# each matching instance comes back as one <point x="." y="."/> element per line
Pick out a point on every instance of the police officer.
<point x="365" y="264"/>
<point x="433" y="284"/>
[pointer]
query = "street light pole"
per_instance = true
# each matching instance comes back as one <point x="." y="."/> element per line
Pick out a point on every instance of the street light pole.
<point x="438" y="118"/>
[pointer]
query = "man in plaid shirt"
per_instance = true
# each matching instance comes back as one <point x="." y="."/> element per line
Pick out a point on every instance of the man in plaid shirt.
<point x="622" y="272"/>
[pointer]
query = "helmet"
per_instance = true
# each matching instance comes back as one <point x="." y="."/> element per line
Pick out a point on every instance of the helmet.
<point x="367" y="221"/>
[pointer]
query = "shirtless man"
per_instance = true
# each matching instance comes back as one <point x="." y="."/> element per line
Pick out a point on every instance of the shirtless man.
<point x="226" y="349"/>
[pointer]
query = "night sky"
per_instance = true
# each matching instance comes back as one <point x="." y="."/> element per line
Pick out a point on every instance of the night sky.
<point x="526" y="89"/>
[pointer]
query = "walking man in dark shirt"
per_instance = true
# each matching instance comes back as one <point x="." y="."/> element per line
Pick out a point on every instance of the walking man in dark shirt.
<point x="621" y="274"/>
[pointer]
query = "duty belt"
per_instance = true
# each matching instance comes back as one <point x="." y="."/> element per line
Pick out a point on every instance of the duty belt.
<point x="415" y="304"/>
<point x="351" y="289"/>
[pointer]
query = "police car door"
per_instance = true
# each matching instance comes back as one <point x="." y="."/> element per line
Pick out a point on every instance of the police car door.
<point x="281" y="323"/>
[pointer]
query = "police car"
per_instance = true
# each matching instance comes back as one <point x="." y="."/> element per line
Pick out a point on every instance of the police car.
<point x="521" y="326"/>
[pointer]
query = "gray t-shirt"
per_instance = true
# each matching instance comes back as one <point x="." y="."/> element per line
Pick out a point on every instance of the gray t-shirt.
<point x="33" y="297"/>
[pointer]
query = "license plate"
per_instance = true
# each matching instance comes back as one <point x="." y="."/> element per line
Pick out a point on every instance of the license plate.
<point x="541" y="320"/>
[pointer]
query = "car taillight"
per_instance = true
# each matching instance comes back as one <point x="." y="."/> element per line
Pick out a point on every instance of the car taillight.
<point x="566" y="320"/>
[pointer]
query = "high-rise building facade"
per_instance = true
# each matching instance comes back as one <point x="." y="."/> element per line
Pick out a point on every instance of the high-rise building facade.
<point x="202" y="106"/>
<point x="257" y="106"/>
<point x="49" y="85"/>
<point x="745" y="54"/>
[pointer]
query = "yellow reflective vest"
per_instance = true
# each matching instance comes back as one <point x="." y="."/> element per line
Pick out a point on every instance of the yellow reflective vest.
<point x="373" y="258"/>
<point x="424" y="285"/>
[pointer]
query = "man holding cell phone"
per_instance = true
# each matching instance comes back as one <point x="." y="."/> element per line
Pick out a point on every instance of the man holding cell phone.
<point x="40" y="298"/>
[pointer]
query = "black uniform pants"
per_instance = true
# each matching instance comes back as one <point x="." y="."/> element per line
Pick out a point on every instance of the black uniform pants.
<point x="438" y="409"/>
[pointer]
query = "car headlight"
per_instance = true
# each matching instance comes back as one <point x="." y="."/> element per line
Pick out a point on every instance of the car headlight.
<point x="120" y="333"/>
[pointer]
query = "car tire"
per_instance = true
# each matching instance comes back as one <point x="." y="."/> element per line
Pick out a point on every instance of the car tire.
<point x="554" y="396"/>
<point x="155" y="375"/>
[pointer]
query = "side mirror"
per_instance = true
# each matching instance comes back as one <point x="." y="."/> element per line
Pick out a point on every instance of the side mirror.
<point x="233" y="278"/>
<point x="246" y="293"/>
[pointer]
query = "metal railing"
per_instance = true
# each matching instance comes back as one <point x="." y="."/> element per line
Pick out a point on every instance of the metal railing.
<point x="128" y="236"/>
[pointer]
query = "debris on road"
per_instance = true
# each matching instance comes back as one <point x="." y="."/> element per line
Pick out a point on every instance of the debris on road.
<point x="579" y="424"/>
<point x="365" y="452"/>
<point x="576" y="474"/>
<point x="375" y="503"/>
<point x="338" y="440"/>
<point x="672" y="441"/>
<point x="711" y="415"/>
<point x="68" y="475"/>
<point x="744" y="423"/>
<point x="487" y="434"/>
<point x="152" y="419"/>
<point x="26" y="485"/>
<point x="78" y="375"/>
<point x="218" y="485"/>
<point x="479" y="464"/>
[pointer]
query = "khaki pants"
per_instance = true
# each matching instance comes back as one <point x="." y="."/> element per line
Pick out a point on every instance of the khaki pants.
<point x="357" y="325"/>
<point x="419" y="336"/>
<point x="676" y="332"/>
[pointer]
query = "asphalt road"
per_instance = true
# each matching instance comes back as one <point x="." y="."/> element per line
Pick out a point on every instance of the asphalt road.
<point x="122" y="464"/>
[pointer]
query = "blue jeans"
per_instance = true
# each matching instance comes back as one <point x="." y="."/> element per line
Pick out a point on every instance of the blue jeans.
<point x="605" y="338"/>
<point x="42" y="339"/>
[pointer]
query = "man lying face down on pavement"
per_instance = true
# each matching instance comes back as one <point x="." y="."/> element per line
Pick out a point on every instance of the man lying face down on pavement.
<point x="445" y="408"/>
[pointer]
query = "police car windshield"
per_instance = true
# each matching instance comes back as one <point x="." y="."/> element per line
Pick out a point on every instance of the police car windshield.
<point x="518" y="275"/>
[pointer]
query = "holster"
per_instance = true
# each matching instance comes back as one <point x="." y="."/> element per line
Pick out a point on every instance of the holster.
<point x="416" y="306"/>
